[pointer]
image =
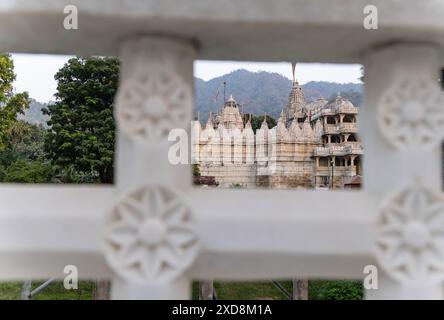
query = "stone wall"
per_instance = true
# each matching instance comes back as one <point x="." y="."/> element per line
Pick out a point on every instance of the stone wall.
<point x="243" y="175"/>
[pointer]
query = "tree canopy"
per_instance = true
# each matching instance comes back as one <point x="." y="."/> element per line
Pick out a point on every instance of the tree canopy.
<point x="81" y="133"/>
<point x="11" y="103"/>
<point x="256" y="121"/>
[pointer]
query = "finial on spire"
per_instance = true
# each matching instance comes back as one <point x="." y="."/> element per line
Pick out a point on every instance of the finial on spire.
<point x="293" y="68"/>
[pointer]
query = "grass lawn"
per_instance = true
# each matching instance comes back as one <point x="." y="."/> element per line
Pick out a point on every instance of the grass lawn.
<point x="250" y="290"/>
<point x="245" y="290"/>
<point x="318" y="290"/>
<point x="55" y="291"/>
<point x="10" y="290"/>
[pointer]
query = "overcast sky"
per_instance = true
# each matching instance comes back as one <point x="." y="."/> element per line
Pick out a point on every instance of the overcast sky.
<point x="35" y="73"/>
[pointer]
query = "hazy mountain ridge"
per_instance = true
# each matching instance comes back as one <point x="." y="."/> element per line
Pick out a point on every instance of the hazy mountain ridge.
<point x="260" y="92"/>
<point x="34" y="114"/>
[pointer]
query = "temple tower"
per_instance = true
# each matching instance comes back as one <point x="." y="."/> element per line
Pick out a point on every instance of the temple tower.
<point x="230" y="115"/>
<point x="296" y="102"/>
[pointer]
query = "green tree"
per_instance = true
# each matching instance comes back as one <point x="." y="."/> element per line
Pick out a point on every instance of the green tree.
<point x="196" y="170"/>
<point x="28" y="171"/>
<point x="335" y="290"/>
<point x="26" y="141"/>
<point x="11" y="104"/>
<point x="256" y="121"/>
<point x="81" y="125"/>
<point x="24" y="144"/>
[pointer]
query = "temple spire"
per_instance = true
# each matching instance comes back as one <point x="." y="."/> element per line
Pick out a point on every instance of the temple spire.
<point x="296" y="100"/>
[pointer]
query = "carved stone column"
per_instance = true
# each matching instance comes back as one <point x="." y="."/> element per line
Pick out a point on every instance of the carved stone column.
<point x="300" y="289"/>
<point x="150" y="240"/>
<point x="206" y="290"/>
<point x="401" y="127"/>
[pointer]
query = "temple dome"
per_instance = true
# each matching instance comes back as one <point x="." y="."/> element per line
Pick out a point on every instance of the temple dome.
<point x="231" y="100"/>
<point x="230" y="116"/>
<point x="341" y="102"/>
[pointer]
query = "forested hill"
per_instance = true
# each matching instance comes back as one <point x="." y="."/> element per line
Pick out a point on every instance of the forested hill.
<point x="260" y="92"/>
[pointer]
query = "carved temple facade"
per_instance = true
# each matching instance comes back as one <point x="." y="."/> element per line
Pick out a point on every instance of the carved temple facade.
<point x="313" y="145"/>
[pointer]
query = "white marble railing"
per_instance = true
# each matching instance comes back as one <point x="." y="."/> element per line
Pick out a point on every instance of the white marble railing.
<point x="348" y="127"/>
<point x="337" y="150"/>
<point x="346" y="109"/>
<point x="158" y="43"/>
<point x="321" y="151"/>
<point x="331" y="129"/>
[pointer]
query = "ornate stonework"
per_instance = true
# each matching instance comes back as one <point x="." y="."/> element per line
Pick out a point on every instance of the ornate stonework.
<point x="410" y="236"/>
<point x="299" y="152"/>
<point x="411" y="114"/>
<point x="150" y="104"/>
<point x="150" y="235"/>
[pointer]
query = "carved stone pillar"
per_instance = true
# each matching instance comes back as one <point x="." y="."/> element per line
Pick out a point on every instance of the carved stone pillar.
<point x="300" y="289"/>
<point x="196" y="130"/>
<point x="206" y="290"/>
<point x="402" y="131"/>
<point x="352" y="160"/>
<point x="249" y="146"/>
<point x="150" y="240"/>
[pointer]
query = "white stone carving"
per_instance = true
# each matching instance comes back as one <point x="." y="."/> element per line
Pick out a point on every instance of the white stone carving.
<point x="150" y="235"/>
<point x="410" y="236"/>
<point x="150" y="104"/>
<point x="411" y="114"/>
<point x="244" y="241"/>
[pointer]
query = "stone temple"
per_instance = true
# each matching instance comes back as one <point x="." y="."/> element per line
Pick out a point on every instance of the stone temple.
<point x="313" y="145"/>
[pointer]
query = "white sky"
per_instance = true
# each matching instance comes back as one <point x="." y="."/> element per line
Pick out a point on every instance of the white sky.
<point x="35" y="73"/>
